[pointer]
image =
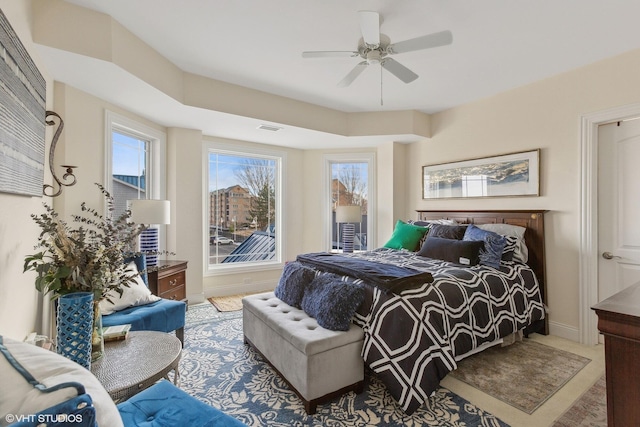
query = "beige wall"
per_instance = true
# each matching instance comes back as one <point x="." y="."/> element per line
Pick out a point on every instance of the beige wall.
<point x="20" y="305"/>
<point x="544" y="115"/>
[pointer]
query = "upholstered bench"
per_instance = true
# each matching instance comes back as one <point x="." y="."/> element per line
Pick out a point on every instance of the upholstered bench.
<point x="317" y="363"/>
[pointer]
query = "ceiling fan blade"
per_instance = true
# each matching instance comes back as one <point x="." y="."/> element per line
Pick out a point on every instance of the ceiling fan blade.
<point x="329" y="54"/>
<point x="424" y="42"/>
<point x="370" y="27"/>
<point x="353" y="74"/>
<point x="398" y="70"/>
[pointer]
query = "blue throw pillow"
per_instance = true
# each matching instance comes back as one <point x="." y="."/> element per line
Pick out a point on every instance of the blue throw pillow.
<point x="494" y="244"/>
<point x="333" y="301"/>
<point x="295" y="278"/>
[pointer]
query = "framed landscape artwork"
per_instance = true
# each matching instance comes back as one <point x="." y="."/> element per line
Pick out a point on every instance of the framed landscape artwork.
<point x="515" y="174"/>
<point x="22" y="117"/>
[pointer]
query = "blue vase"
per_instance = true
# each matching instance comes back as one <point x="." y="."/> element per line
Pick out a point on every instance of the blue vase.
<point x="75" y="327"/>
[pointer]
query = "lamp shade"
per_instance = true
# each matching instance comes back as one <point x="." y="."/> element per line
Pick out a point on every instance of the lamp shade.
<point x="348" y="213"/>
<point x="147" y="211"/>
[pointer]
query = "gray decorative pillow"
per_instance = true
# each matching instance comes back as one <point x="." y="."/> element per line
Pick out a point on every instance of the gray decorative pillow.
<point x="333" y="301"/>
<point x="494" y="244"/>
<point x="291" y="287"/>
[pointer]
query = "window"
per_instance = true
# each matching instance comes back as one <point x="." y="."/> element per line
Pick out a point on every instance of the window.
<point x="243" y="209"/>
<point x="134" y="168"/>
<point x="350" y="182"/>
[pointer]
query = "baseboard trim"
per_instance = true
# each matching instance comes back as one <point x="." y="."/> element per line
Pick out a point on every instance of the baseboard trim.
<point x="196" y="298"/>
<point x="564" y="331"/>
<point x="239" y="288"/>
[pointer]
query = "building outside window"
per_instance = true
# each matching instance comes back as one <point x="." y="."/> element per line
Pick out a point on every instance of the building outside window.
<point x="243" y="202"/>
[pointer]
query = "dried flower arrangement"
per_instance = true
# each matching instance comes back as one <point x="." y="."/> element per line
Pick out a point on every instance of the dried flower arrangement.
<point x="86" y="258"/>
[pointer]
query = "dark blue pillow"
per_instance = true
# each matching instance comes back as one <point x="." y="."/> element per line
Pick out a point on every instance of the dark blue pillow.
<point x="447" y="231"/>
<point x="332" y="301"/>
<point x="463" y="252"/>
<point x="295" y="278"/>
<point x="494" y="244"/>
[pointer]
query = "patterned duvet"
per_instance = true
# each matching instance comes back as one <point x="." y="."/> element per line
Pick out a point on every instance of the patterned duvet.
<point x="412" y="339"/>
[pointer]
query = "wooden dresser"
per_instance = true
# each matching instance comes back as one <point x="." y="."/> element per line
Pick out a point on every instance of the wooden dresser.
<point x="170" y="281"/>
<point x="619" y="322"/>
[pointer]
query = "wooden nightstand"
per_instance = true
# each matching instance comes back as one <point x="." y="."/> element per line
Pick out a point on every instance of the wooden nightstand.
<point x="170" y="281"/>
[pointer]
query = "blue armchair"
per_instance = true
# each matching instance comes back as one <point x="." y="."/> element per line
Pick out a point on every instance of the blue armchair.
<point x="164" y="315"/>
<point x="25" y="369"/>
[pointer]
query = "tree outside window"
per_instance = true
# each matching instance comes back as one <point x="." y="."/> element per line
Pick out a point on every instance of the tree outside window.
<point x="242" y="208"/>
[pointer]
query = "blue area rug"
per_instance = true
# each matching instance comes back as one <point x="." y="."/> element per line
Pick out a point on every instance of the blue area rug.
<point x="219" y="369"/>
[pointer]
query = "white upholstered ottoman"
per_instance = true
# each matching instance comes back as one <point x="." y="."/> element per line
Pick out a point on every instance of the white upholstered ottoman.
<point x="318" y="364"/>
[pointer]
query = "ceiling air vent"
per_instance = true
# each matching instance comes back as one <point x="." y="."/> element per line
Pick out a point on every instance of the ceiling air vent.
<point x="269" y="128"/>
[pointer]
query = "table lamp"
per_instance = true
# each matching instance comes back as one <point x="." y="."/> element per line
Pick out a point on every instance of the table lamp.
<point x="150" y="213"/>
<point x="347" y="215"/>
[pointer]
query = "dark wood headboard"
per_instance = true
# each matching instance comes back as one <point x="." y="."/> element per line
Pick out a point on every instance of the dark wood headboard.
<point x="533" y="221"/>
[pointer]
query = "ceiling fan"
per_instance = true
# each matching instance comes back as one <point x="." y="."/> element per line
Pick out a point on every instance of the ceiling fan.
<point x="376" y="48"/>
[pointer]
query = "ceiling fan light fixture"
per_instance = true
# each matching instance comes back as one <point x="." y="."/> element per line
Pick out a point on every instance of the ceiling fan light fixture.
<point x="374" y="57"/>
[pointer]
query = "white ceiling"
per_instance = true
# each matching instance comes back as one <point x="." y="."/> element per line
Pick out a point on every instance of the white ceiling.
<point x="497" y="45"/>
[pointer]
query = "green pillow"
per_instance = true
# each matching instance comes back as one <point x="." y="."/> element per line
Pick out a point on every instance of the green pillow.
<point x="406" y="236"/>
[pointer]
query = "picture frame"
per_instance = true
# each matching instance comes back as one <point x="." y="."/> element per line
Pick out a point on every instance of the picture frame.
<point x="22" y="117"/>
<point x="507" y="175"/>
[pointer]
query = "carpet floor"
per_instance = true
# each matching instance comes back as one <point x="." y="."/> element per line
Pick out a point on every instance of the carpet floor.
<point x="219" y="369"/>
<point x="590" y="410"/>
<point x="524" y="375"/>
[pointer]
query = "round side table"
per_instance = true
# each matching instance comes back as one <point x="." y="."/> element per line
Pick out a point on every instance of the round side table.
<point x="137" y="362"/>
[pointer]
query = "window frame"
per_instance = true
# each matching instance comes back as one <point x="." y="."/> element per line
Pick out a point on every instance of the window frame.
<point x="155" y="175"/>
<point x="327" y="218"/>
<point x="279" y="157"/>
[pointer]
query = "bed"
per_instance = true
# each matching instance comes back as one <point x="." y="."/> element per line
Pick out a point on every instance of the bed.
<point x="416" y="336"/>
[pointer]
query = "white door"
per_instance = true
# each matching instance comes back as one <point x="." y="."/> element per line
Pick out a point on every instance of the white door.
<point x="618" y="207"/>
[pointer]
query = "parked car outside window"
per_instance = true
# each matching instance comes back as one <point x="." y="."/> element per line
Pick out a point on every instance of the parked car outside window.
<point x="220" y="240"/>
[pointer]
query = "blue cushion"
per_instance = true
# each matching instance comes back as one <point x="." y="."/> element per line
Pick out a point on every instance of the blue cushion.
<point x="164" y="404"/>
<point x="332" y="301"/>
<point x="293" y="281"/>
<point x="164" y="316"/>
<point x="494" y="244"/>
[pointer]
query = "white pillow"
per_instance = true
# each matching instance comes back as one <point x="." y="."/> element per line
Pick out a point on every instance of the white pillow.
<point x="136" y="294"/>
<point x="21" y="398"/>
<point x="521" y="253"/>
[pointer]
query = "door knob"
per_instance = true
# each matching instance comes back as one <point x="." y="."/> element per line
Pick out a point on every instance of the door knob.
<point x="609" y="255"/>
